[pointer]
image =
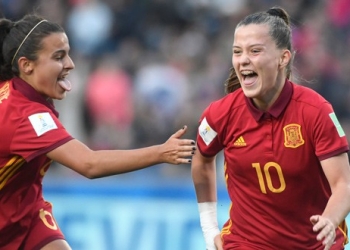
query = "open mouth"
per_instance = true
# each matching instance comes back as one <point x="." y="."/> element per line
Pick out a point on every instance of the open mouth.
<point x="246" y="74"/>
<point x="64" y="83"/>
<point x="248" y="77"/>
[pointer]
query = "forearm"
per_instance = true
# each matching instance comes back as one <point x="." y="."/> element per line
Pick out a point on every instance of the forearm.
<point x="111" y="162"/>
<point x="95" y="164"/>
<point x="204" y="178"/>
<point x="337" y="172"/>
<point x="338" y="205"/>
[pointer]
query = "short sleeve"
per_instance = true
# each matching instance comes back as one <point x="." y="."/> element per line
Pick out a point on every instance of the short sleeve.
<point x="38" y="133"/>
<point x="208" y="136"/>
<point x="329" y="136"/>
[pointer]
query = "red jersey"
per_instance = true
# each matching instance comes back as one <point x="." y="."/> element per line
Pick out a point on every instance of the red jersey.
<point x="29" y="129"/>
<point x="272" y="166"/>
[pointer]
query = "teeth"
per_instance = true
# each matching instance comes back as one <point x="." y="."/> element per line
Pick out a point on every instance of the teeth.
<point x="247" y="72"/>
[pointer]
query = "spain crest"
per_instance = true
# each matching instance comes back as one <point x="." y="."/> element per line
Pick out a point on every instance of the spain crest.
<point x="292" y="136"/>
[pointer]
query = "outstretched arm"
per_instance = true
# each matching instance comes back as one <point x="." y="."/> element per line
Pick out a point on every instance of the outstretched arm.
<point x="94" y="164"/>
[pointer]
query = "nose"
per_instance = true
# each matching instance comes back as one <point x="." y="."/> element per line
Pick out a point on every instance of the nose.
<point x="244" y="59"/>
<point x="69" y="63"/>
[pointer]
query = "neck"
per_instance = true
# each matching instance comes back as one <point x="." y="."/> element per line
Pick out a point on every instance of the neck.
<point x="265" y="102"/>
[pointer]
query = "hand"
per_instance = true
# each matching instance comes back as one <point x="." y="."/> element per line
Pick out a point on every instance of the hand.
<point x="326" y="230"/>
<point x="218" y="242"/>
<point x="176" y="150"/>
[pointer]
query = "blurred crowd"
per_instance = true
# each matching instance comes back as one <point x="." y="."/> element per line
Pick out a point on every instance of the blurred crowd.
<point x="145" y="68"/>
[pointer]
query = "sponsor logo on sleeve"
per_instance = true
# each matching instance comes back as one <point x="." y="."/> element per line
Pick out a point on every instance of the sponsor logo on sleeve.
<point x="292" y="136"/>
<point x="206" y="132"/>
<point x="337" y="125"/>
<point x="42" y="123"/>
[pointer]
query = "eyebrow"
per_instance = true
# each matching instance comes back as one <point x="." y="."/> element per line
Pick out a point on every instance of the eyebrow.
<point x="60" y="52"/>
<point x="253" y="45"/>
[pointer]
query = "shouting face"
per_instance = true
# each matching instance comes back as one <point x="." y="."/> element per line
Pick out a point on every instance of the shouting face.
<point x="259" y="64"/>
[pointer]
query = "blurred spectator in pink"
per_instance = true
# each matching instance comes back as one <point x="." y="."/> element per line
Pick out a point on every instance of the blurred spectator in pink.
<point x="339" y="12"/>
<point x="109" y="105"/>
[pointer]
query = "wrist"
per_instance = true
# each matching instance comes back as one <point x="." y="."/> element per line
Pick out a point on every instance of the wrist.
<point x="209" y="223"/>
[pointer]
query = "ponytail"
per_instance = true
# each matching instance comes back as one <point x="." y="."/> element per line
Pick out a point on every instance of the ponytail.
<point x="281" y="13"/>
<point x="5" y="61"/>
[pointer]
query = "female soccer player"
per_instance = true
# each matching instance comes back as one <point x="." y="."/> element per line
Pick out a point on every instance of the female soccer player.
<point x="286" y="164"/>
<point x="34" y="65"/>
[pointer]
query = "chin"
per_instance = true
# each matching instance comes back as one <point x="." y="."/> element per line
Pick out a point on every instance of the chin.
<point x="250" y="93"/>
<point x="60" y="96"/>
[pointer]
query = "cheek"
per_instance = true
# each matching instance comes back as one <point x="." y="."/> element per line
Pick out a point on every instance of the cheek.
<point x="50" y="72"/>
<point x="47" y="78"/>
<point x="269" y="67"/>
<point x="234" y="63"/>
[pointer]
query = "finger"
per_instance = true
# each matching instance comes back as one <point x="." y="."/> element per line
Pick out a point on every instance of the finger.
<point x="186" y="154"/>
<point x="314" y="219"/>
<point x="187" y="142"/>
<point x="187" y="149"/>
<point x="182" y="161"/>
<point x="184" y="157"/>
<point x="328" y="242"/>
<point x="323" y="232"/>
<point x="329" y="238"/>
<point x="180" y="132"/>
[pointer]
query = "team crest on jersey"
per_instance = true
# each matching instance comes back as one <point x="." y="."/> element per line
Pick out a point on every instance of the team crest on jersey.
<point x="4" y="92"/>
<point x="292" y="136"/>
<point x="42" y="123"/>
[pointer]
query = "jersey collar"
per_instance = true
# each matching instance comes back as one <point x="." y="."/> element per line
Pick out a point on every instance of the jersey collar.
<point x="29" y="92"/>
<point x="277" y="108"/>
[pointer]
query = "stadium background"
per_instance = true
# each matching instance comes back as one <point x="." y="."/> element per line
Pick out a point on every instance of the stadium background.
<point x="144" y="68"/>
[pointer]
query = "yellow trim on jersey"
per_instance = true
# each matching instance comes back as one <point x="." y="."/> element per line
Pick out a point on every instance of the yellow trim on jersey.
<point x="4" y="91"/>
<point x="10" y="168"/>
<point x="226" y="230"/>
<point x="43" y="214"/>
<point x="344" y="229"/>
<point x="45" y="168"/>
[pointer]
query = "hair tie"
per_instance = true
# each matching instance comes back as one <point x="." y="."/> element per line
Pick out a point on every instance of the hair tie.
<point x="26" y="39"/>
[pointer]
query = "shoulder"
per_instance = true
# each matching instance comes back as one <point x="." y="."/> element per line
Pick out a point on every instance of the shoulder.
<point x="219" y="112"/>
<point x="310" y="103"/>
<point x="228" y="103"/>
<point x="307" y="96"/>
<point x="15" y="106"/>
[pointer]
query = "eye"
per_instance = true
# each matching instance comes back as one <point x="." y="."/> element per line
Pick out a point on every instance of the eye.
<point x="236" y="52"/>
<point x="60" y="55"/>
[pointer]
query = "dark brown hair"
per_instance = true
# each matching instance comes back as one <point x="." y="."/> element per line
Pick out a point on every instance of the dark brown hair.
<point x="12" y="34"/>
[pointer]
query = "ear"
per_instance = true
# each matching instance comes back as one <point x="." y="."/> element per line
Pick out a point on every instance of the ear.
<point x="25" y="65"/>
<point x="285" y="58"/>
